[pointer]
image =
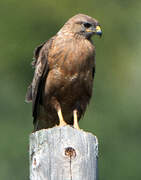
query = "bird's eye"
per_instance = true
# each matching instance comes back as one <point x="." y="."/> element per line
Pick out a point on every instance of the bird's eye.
<point x="87" y="25"/>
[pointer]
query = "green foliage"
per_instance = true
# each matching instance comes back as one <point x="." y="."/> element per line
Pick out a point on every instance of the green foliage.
<point x="114" y="112"/>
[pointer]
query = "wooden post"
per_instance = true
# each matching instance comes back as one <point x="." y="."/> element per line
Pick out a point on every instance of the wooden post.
<point x="63" y="153"/>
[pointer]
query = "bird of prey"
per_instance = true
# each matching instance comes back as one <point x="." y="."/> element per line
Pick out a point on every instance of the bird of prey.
<point x="64" y="74"/>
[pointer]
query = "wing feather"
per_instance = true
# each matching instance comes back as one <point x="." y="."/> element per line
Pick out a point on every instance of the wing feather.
<point x="41" y="70"/>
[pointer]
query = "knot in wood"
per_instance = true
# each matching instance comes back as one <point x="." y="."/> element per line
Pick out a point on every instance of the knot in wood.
<point x="70" y="152"/>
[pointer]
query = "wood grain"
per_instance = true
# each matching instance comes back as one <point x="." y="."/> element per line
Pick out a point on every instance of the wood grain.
<point x="63" y="153"/>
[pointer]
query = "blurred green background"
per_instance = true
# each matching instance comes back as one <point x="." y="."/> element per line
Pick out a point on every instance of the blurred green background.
<point x="114" y="113"/>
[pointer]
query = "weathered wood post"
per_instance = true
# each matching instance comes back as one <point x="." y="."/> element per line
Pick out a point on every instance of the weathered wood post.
<point x="63" y="153"/>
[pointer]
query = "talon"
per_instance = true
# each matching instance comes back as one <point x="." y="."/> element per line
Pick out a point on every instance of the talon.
<point x="75" y="124"/>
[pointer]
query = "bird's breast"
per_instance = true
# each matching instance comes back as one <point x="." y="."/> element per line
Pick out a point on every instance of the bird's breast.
<point x="72" y="55"/>
<point x="70" y="68"/>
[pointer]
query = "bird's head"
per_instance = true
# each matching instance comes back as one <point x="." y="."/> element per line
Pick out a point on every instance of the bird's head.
<point x="83" y="25"/>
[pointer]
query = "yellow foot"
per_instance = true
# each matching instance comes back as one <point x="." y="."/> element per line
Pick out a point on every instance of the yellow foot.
<point x="61" y="119"/>
<point x="75" y="124"/>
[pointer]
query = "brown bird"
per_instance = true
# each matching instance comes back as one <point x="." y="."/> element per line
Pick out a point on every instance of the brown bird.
<point x="64" y="73"/>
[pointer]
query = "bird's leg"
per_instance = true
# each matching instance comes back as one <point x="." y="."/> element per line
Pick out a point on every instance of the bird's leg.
<point x="75" y="119"/>
<point x="57" y="107"/>
<point x="61" y="119"/>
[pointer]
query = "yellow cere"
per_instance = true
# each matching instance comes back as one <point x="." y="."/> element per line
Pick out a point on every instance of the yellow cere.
<point x="98" y="28"/>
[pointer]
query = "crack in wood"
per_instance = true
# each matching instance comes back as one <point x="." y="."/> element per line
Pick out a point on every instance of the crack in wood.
<point x="70" y="152"/>
<point x="70" y="170"/>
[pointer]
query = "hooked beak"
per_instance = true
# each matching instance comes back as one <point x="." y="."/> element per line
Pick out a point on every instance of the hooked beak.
<point x="95" y="30"/>
<point x="98" y="31"/>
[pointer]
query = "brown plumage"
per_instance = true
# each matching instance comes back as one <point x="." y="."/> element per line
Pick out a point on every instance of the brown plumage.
<point x="64" y="72"/>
